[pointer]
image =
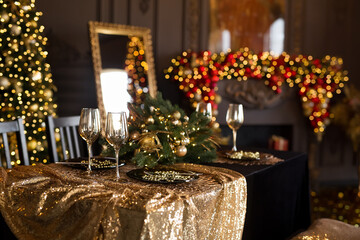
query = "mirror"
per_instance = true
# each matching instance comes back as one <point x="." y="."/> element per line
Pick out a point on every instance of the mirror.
<point x="123" y="65"/>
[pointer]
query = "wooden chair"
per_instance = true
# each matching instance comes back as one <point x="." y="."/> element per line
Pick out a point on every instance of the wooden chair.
<point x="69" y="137"/>
<point x="17" y="127"/>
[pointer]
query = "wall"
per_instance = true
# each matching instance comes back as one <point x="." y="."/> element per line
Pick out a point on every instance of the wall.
<point x="315" y="27"/>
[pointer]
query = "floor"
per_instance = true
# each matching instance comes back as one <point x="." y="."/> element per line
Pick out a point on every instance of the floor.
<point x="340" y="203"/>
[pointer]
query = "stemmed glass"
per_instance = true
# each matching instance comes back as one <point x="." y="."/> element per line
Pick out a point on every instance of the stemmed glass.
<point x="234" y="119"/>
<point x="89" y="128"/>
<point x="116" y="133"/>
<point x="204" y="108"/>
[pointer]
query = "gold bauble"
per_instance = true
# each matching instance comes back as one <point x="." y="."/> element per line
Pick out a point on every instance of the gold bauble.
<point x="31" y="145"/>
<point x="34" y="107"/>
<point x="48" y="93"/>
<point x="147" y="142"/>
<point x="150" y="120"/>
<point x="134" y="135"/>
<point x="177" y="115"/>
<point x="4" y="82"/>
<point x="180" y="151"/>
<point x="176" y="122"/>
<point x="215" y="125"/>
<point x="186" y="118"/>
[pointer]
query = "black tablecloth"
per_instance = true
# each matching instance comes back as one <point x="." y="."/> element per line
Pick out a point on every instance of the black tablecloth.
<point x="278" y="203"/>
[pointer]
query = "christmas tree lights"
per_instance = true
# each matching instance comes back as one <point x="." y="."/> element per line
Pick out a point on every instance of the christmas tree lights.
<point x="26" y="85"/>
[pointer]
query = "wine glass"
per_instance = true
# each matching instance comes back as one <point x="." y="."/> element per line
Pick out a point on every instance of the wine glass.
<point x="234" y="119"/>
<point x="116" y="133"/>
<point x="89" y="128"/>
<point x="204" y="108"/>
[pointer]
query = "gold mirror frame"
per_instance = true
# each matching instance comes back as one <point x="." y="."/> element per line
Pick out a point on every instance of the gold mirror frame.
<point x="96" y="28"/>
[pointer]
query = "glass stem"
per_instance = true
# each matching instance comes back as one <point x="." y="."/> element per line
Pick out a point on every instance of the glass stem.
<point x="234" y="141"/>
<point x="117" y="163"/>
<point x="89" y="157"/>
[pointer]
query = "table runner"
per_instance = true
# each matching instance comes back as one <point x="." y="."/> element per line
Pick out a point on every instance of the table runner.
<point x="58" y="202"/>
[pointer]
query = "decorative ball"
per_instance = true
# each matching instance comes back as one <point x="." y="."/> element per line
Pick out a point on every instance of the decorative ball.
<point x="5" y="16"/>
<point x="15" y="30"/>
<point x="34" y="107"/>
<point x="217" y="99"/>
<point x="215" y="125"/>
<point x="36" y="76"/>
<point x="34" y="24"/>
<point x="31" y="145"/>
<point x="4" y="82"/>
<point x="198" y="97"/>
<point x="177" y="115"/>
<point x="9" y="60"/>
<point x="147" y="142"/>
<point x="150" y="120"/>
<point x="176" y="122"/>
<point x="48" y="93"/>
<point x="180" y="151"/>
<point x="186" y="118"/>
<point x="134" y="135"/>
<point x="15" y="46"/>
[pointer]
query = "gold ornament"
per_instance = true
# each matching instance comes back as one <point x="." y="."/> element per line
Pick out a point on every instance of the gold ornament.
<point x="36" y="76"/>
<point x="177" y="115"/>
<point x="48" y="93"/>
<point x="15" y="30"/>
<point x="150" y="120"/>
<point x="4" y="82"/>
<point x="134" y="135"/>
<point x="147" y="142"/>
<point x="32" y="144"/>
<point x="215" y="125"/>
<point x="180" y="151"/>
<point x="176" y="122"/>
<point x="34" y="107"/>
<point x="198" y="97"/>
<point x="186" y="118"/>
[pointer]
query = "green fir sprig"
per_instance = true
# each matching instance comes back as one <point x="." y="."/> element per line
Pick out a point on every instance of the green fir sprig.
<point x="161" y="133"/>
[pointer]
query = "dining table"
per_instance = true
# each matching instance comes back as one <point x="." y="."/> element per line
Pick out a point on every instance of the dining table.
<point x="58" y="201"/>
<point x="278" y="193"/>
<point x="272" y="200"/>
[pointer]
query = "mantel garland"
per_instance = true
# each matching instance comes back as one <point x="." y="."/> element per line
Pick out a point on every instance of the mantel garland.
<point x="317" y="79"/>
<point x="161" y="133"/>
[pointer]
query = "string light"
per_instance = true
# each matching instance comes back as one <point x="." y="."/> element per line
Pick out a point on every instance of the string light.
<point x="317" y="79"/>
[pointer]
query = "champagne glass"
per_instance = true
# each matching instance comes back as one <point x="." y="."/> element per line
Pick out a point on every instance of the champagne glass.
<point x="89" y="128"/>
<point x="204" y="108"/>
<point x="234" y="119"/>
<point x="116" y="133"/>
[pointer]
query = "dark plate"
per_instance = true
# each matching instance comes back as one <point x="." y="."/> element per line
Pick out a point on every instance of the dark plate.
<point x="97" y="163"/>
<point x="165" y="176"/>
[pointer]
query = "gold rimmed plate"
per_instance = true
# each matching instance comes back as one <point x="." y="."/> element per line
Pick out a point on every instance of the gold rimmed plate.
<point x="165" y="176"/>
<point x="98" y="163"/>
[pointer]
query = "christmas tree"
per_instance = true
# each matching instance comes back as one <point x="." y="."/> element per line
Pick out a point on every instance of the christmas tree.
<point x="26" y="86"/>
<point x="137" y="68"/>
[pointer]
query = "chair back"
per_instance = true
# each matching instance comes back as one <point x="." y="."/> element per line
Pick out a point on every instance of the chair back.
<point x="15" y="126"/>
<point x="69" y="137"/>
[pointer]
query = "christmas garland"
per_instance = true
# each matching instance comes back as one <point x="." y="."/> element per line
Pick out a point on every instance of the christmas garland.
<point x="161" y="133"/>
<point x="317" y="79"/>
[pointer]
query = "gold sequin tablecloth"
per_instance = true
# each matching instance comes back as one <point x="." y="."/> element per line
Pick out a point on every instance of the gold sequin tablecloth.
<point x="59" y="202"/>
